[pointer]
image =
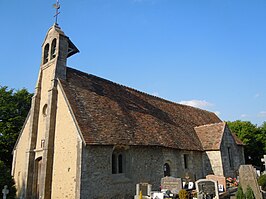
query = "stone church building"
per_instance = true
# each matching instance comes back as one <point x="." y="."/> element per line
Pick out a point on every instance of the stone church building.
<point x="88" y="137"/>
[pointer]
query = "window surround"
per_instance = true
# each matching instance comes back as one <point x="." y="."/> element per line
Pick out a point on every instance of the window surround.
<point x="118" y="161"/>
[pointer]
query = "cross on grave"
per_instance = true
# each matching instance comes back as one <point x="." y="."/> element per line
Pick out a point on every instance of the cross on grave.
<point x="5" y="191"/>
<point x="264" y="160"/>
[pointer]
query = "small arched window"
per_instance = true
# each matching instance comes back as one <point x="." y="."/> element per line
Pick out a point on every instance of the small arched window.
<point x="166" y="170"/>
<point x="45" y="54"/>
<point x="118" y="162"/>
<point x="114" y="164"/>
<point x="53" y="49"/>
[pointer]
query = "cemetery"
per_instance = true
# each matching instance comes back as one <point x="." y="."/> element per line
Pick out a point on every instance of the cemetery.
<point x="250" y="183"/>
<point x="212" y="187"/>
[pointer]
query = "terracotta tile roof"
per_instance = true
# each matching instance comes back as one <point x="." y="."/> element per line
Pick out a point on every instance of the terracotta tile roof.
<point x="237" y="140"/>
<point x="211" y="135"/>
<point x="108" y="113"/>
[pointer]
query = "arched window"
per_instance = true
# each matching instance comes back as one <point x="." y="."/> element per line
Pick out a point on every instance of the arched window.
<point x="45" y="54"/>
<point x="114" y="164"/>
<point x="118" y="162"/>
<point x="53" y="49"/>
<point x="185" y="161"/>
<point x="166" y="169"/>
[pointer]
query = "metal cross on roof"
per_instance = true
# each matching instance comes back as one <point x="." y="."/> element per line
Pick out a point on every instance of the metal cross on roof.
<point x="57" y="7"/>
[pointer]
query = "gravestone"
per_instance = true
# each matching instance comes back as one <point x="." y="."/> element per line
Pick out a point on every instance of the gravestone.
<point x="157" y="195"/>
<point x="145" y="189"/>
<point x="5" y="191"/>
<point x="172" y="184"/>
<point x="220" y="180"/>
<point x="247" y="177"/>
<point x="207" y="189"/>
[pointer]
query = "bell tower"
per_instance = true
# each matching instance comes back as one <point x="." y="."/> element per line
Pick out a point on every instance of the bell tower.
<point x="56" y="48"/>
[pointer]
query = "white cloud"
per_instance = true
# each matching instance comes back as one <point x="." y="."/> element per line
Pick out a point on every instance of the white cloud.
<point x="257" y="95"/>
<point x="243" y="115"/>
<point x="262" y="114"/>
<point x="196" y="103"/>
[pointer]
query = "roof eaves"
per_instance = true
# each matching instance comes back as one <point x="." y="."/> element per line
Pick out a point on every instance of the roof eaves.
<point x="222" y="134"/>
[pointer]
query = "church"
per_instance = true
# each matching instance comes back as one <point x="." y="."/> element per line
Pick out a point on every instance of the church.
<point x="90" y="138"/>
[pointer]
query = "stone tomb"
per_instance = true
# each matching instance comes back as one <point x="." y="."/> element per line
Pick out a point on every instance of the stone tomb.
<point x="207" y="189"/>
<point x="157" y="195"/>
<point x="247" y="177"/>
<point x="145" y="190"/>
<point x="172" y="184"/>
<point x="220" y="180"/>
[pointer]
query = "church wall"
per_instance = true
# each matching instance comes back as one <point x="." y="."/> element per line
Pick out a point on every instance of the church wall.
<point x="19" y="159"/>
<point x="212" y="163"/>
<point x="142" y="164"/>
<point x="232" y="154"/>
<point x="66" y="153"/>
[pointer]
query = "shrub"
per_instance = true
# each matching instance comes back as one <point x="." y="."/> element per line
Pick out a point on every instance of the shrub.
<point x="249" y="193"/>
<point x="183" y="194"/>
<point x="240" y="194"/>
<point x="262" y="182"/>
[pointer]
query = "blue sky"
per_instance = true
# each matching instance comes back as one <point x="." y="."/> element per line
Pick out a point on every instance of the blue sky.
<point x="206" y="53"/>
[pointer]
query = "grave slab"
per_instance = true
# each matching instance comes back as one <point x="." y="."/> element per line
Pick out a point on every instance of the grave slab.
<point x="172" y="184"/>
<point x="247" y="177"/>
<point x="220" y="180"/>
<point x="207" y="188"/>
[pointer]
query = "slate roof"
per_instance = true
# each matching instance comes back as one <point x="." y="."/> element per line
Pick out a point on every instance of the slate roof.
<point x="108" y="113"/>
<point x="211" y="135"/>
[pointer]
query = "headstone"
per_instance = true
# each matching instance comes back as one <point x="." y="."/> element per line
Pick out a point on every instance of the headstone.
<point x="5" y="191"/>
<point x="157" y="195"/>
<point x="145" y="189"/>
<point x="220" y="180"/>
<point x="247" y="177"/>
<point x="207" y="188"/>
<point x="172" y="184"/>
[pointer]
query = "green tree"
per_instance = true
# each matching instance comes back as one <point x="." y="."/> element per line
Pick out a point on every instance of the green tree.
<point x="254" y="139"/>
<point x="262" y="136"/>
<point x="14" y="107"/>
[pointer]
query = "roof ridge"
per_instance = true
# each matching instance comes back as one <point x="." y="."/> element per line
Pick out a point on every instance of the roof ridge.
<point x="212" y="124"/>
<point x="140" y="92"/>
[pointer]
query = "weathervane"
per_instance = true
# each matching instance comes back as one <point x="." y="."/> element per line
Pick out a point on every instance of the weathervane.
<point x="57" y="7"/>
